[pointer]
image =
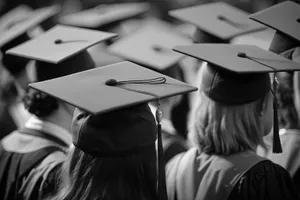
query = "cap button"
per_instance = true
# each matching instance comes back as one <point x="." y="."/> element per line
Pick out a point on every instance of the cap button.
<point x="111" y="82"/>
<point x="58" y="41"/>
<point x="242" y="55"/>
<point x="220" y="17"/>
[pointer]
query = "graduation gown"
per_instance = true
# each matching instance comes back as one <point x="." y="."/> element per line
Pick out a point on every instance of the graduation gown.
<point x="172" y="142"/>
<point x="29" y="161"/>
<point x="290" y="157"/>
<point x="193" y="175"/>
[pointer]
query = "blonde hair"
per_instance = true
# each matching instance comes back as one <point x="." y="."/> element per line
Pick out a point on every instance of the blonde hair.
<point x="225" y="129"/>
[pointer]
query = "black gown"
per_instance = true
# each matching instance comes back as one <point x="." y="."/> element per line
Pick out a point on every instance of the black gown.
<point x="243" y="176"/>
<point x="25" y="176"/>
<point x="265" y="181"/>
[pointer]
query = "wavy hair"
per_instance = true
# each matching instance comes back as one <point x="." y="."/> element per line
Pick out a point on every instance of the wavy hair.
<point x="223" y="130"/>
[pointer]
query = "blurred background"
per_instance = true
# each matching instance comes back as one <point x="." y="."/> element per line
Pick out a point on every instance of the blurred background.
<point x="10" y="97"/>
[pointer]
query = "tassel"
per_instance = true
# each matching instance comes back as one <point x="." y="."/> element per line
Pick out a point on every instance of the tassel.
<point x="162" y="188"/>
<point x="276" y="139"/>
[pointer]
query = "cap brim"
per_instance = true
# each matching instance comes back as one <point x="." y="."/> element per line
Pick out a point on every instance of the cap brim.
<point x="281" y="17"/>
<point x="33" y="20"/>
<point x="74" y="40"/>
<point x="104" y="14"/>
<point x="88" y="91"/>
<point x="227" y="56"/>
<point x="206" y="18"/>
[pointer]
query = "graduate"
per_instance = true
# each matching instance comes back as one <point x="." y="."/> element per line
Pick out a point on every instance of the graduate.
<point x="286" y="42"/>
<point x="27" y="155"/>
<point x="236" y="108"/>
<point x="105" y="16"/>
<point x="216" y="22"/>
<point x="15" y="28"/>
<point x="153" y="49"/>
<point x="114" y="132"/>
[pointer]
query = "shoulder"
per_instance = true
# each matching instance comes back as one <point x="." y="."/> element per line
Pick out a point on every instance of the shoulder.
<point x="265" y="180"/>
<point x="41" y="179"/>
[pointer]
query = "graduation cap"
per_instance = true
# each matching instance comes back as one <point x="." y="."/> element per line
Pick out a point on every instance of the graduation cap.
<point x="13" y="31"/>
<point x="151" y="46"/>
<point x="238" y="74"/>
<point x="219" y="21"/>
<point x="60" y="51"/>
<point x="285" y="19"/>
<point x="104" y="15"/>
<point x="115" y="90"/>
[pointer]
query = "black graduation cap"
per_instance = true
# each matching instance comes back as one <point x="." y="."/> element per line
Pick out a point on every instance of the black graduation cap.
<point x="14" y="26"/>
<point x="151" y="45"/>
<point x="61" y="50"/>
<point x="104" y="15"/>
<point x="285" y="19"/>
<point x="120" y="92"/>
<point x="239" y="74"/>
<point x="219" y="21"/>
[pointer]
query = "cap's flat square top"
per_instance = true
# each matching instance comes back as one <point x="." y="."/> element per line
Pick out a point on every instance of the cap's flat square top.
<point x="104" y="14"/>
<point x="73" y="40"/>
<point x="284" y="17"/>
<point x="88" y="90"/>
<point x="151" y="45"/>
<point x="20" y="20"/>
<point x="219" y="19"/>
<point x="226" y="56"/>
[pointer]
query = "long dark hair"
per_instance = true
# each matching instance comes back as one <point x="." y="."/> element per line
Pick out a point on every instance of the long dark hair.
<point x="86" y="177"/>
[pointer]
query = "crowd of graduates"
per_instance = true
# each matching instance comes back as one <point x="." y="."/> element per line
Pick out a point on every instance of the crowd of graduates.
<point x="146" y="100"/>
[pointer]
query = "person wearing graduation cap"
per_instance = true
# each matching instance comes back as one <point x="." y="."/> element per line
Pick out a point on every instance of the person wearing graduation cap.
<point x="105" y="16"/>
<point x="286" y="42"/>
<point x="30" y="155"/>
<point x="236" y="108"/>
<point x="216" y="22"/>
<point x="153" y="43"/>
<point x="115" y="134"/>
<point x="15" y="27"/>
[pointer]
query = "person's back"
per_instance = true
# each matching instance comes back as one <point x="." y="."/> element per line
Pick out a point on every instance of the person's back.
<point x="288" y="109"/>
<point x="103" y="164"/>
<point x="31" y="155"/>
<point x="233" y="113"/>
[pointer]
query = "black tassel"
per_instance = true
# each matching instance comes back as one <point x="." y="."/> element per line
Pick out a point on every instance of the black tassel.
<point x="276" y="139"/>
<point x="162" y="188"/>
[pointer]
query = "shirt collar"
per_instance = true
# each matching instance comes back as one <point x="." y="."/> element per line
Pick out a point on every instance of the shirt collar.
<point x="49" y="128"/>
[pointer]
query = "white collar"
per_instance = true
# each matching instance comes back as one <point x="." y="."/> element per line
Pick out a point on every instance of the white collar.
<point x="49" y="128"/>
<point x="167" y="126"/>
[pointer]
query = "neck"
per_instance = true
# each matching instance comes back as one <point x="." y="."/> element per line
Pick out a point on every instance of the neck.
<point x="61" y="117"/>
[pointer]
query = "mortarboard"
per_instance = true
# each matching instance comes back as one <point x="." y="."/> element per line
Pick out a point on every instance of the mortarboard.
<point x="238" y="74"/>
<point x="285" y="19"/>
<point x="218" y="20"/>
<point x="13" y="31"/>
<point x="104" y="15"/>
<point x="116" y="92"/>
<point x="61" y="50"/>
<point x="151" y="46"/>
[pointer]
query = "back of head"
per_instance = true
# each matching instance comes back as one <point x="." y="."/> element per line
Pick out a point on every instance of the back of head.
<point x="114" y="156"/>
<point x="226" y="121"/>
<point x="287" y="91"/>
<point x="43" y="105"/>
